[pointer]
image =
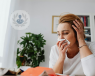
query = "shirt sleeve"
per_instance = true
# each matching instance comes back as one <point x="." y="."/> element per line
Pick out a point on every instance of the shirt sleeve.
<point x="88" y="63"/>
<point x="52" y="57"/>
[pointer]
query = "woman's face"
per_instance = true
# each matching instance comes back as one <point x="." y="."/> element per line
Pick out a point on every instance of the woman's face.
<point x="65" y="31"/>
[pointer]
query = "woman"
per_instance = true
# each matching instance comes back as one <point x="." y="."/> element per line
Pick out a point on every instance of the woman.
<point x="80" y="56"/>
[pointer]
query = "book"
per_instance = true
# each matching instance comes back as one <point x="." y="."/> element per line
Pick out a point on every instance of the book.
<point x="84" y="21"/>
<point x="87" y="31"/>
<point x="88" y="39"/>
<point x="88" y="21"/>
<point x="81" y="18"/>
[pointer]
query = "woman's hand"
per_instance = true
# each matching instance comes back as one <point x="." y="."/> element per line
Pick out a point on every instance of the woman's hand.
<point x="62" y="47"/>
<point x="80" y="31"/>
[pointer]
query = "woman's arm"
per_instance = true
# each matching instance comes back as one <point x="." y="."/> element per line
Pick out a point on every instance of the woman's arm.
<point x="84" y="50"/>
<point x="88" y="65"/>
<point x="58" y="67"/>
<point x="87" y="58"/>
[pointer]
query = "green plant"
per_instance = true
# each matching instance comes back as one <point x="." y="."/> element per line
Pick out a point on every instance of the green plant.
<point x="32" y="52"/>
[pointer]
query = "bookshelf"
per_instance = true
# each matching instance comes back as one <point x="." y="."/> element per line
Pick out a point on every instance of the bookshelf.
<point x="87" y="19"/>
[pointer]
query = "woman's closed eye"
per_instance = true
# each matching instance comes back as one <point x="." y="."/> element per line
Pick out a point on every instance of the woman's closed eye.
<point x="63" y="34"/>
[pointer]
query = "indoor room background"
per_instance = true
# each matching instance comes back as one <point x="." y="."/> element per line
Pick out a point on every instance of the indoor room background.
<point x="41" y="12"/>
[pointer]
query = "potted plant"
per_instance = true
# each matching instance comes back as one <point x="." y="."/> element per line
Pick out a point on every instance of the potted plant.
<point x="31" y="50"/>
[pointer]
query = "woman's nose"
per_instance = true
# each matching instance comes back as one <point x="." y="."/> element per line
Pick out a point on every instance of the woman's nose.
<point x="61" y="37"/>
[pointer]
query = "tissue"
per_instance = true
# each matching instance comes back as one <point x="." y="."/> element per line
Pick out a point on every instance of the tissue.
<point x="64" y="41"/>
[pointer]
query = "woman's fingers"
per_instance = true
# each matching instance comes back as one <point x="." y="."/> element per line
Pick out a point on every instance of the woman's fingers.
<point x="65" y="48"/>
<point x="75" y="28"/>
<point x="79" y="29"/>
<point x="57" y="43"/>
<point x="77" y="25"/>
<point x="61" y="42"/>
<point x="77" y="21"/>
<point x="63" y="45"/>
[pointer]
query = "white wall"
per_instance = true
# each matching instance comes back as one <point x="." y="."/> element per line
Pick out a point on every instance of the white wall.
<point x="41" y="12"/>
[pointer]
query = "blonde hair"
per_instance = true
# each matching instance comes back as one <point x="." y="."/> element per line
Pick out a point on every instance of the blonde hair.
<point x="69" y="18"/>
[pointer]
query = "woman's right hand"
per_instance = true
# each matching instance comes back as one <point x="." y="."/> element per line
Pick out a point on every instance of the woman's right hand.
<point x="62" y="47"/>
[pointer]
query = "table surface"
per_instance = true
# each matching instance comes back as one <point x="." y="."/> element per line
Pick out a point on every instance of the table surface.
<point x="57" y="75"/>
<point x="20" y="75"/>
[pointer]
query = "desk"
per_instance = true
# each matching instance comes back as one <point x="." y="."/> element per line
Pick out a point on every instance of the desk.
<point x="57" y="75"/>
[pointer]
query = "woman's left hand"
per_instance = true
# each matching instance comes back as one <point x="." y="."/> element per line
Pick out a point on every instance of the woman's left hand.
<point x="79" y="29"/>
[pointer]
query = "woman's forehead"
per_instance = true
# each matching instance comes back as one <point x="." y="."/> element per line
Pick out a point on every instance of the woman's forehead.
<point x="64" y="27"/>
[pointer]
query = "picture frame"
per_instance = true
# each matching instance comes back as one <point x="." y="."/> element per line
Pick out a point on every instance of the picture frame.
<point x="55" y="20"/>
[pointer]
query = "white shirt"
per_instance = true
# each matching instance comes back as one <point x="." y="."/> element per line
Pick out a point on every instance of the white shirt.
<point x="75" y="65"/>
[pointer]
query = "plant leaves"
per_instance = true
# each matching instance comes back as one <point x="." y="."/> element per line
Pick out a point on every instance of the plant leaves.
<point x="32" y="51"/>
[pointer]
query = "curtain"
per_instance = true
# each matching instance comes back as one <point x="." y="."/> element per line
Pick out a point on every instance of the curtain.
<point x="8" y="35"/>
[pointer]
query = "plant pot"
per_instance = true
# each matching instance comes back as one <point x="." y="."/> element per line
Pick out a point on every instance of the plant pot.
<point x="23" y="62"/>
